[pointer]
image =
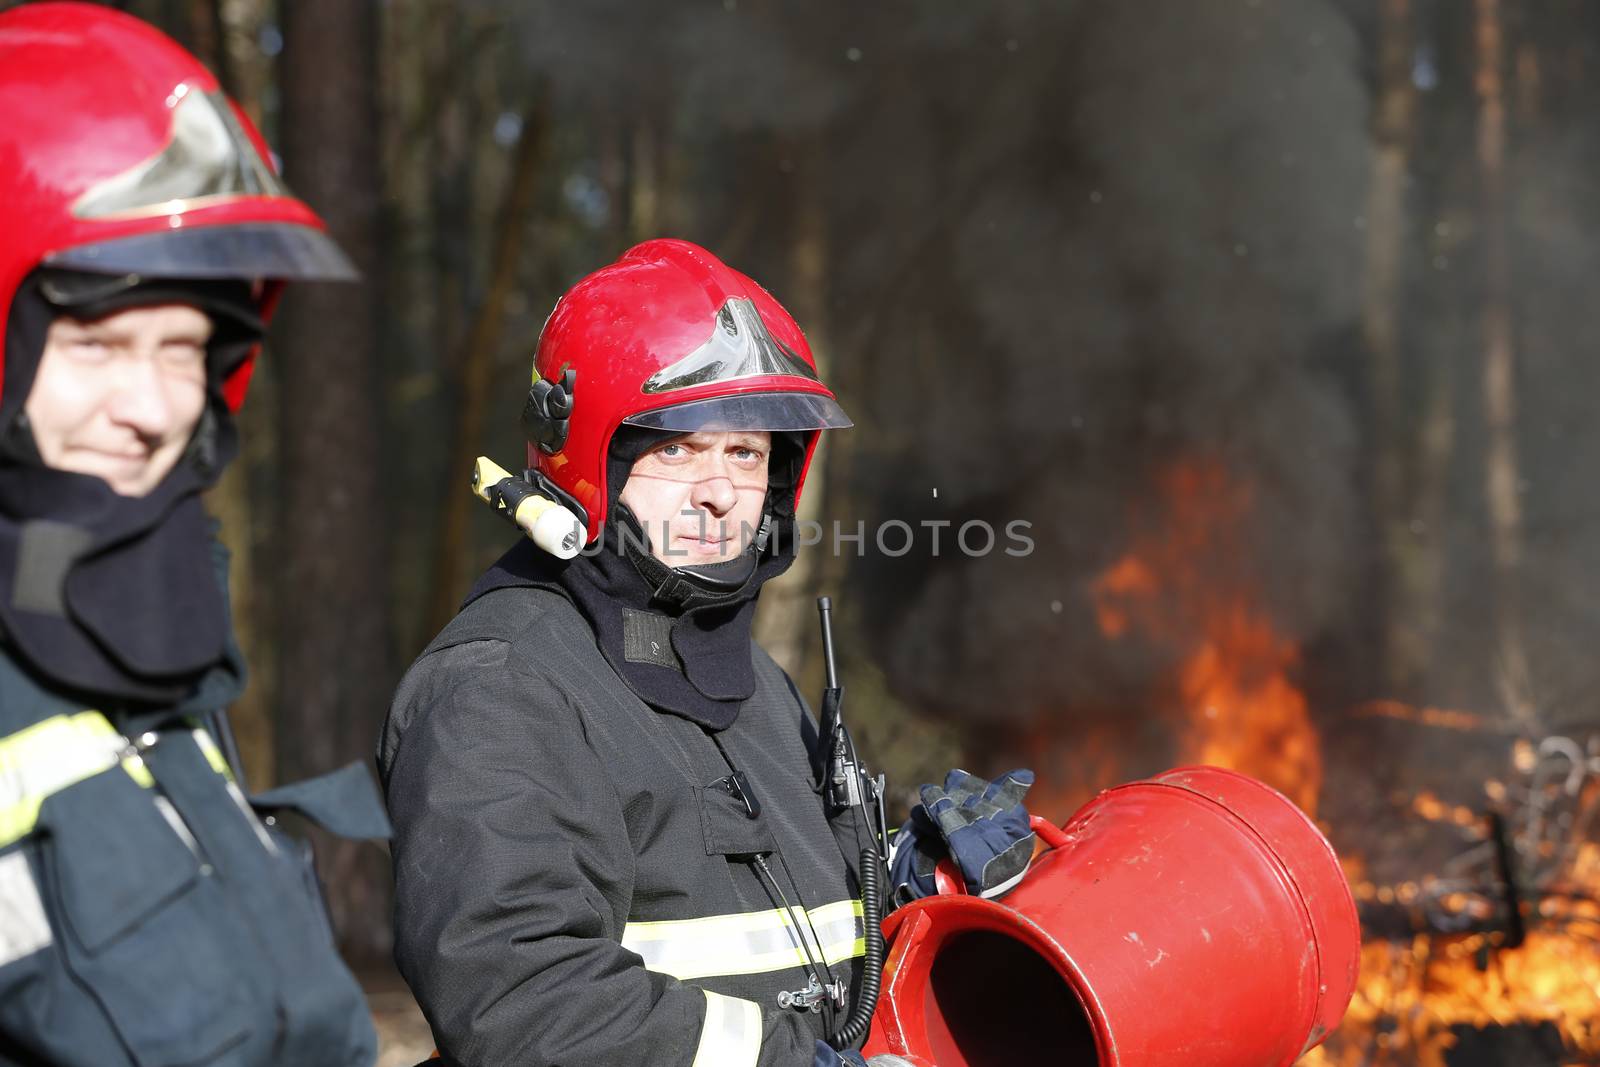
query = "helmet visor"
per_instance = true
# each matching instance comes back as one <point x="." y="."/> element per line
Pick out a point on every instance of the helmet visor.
<point x="208" y="154"/>
<point x="748" y="411"/>
<point x="275" y="250"/>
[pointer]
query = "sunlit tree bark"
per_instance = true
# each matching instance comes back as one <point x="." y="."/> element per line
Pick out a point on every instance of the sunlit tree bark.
<point x="1386" y="225"/>
<point x="201" y="27"/>
<point x="334" y="672"/>
<point x="786" y="620"/>
<point x="477" y="364"/>
<point x="1502" y="477"/>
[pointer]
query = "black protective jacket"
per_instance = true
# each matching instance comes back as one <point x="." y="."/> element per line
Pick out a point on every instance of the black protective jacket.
<point x="576" y="884"/>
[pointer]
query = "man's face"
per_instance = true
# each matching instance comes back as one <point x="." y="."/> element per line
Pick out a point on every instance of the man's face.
<point x="119" y="397"/>
<point x="699" y="496"/>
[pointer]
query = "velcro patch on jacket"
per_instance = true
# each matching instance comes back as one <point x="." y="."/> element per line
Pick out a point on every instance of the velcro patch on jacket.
<point x="24" y="929"/>
<point x="647" y="638"/>
<point x="47" y="551"/>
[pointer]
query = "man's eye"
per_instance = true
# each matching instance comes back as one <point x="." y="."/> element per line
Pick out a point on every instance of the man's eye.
<point x="88" y="349"/>
<point x="183" y="355"/>
<point x="670" y="451"/>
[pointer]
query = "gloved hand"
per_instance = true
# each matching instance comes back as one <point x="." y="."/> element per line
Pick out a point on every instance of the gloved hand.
<point x="981" y="825"/>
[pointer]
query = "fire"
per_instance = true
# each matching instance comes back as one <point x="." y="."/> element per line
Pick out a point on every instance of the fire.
<point x="1234" y="673"/>
<point x="1081" y="766"/>
<point x="1443" y="956"/>
<point x="1416" y="996"/>
<point x="1444" y="717"/>
<point x="1433" y="809"/>
<point x="1412" y="994"/>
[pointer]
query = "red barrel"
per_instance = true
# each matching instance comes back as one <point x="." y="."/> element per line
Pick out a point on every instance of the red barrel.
<point x="1196" y="918"/>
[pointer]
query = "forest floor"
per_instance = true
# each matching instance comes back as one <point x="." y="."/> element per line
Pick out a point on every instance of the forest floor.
<point x="403" y="1035"/>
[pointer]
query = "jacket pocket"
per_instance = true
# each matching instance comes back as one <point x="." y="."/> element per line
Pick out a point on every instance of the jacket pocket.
<point x="145" y="927"/>
<point x="729" y="828"/>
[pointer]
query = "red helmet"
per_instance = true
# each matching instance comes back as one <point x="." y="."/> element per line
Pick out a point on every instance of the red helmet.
<point x="119" y="154"/>
<point x="667" y="338"/>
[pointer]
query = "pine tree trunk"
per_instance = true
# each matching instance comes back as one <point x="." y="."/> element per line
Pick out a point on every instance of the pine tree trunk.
<point x="786" y="620"/>
<point x="334" y="674"/>
<point x="477" y="363"/>
<point x="1502" y="476"/>
<point x="233" y="501"/>
<point x="1402" y="651"/>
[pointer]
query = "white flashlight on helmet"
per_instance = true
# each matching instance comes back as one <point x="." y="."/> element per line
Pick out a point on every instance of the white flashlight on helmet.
<point x="548" y="524"/>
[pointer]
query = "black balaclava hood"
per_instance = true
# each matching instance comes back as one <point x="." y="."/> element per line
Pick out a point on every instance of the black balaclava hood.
<point x="681" y="644"/>
<point x="118" y="599"/>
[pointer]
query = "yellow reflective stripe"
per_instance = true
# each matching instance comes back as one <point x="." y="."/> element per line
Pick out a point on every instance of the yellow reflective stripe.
<point x="731" y="1034"/>
<point x="213" y="754"/>
<point x="49" y="756"/>
<point x="747" y="942"/>
<point x="138" y="771"/>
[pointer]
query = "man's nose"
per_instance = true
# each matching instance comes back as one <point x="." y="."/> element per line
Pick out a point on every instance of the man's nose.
<point x="715" y="492"/>
<point x="139" y="399"/>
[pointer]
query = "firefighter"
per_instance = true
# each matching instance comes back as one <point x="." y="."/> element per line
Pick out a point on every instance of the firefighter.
<point x="149" y="914"/>
<point x="610" y="844"/>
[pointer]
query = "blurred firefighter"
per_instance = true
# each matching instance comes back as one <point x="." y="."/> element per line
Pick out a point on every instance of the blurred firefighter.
<point x="611" y="846"/>
<point x="149" y="913"/>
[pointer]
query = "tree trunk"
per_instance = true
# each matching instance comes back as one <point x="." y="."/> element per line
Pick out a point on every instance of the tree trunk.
<point x="334" y="676"/>
<point x="1403" y="654"/>
<point x="477" y="361"/>
<point x="786" y="621"/>
<point x="232" y="500"/>
<point x="1502" y="477"/>
<point x="644" y="185"/>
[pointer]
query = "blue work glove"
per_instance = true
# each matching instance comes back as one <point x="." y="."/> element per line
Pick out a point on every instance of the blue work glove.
<point x="979" y="824"/>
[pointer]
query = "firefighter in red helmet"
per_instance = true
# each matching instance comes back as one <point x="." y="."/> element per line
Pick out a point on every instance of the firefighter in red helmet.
<point x="148" y="912"/>
<point x="612" y="843"/>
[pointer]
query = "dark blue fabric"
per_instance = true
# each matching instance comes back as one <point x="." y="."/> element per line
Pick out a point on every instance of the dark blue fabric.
<point x="342" y="802"/>
<point x="983" y="826"/>
<point x="916" y="848"/>
<point x="320" y="1009"/>
<point x="827" y="1057"/>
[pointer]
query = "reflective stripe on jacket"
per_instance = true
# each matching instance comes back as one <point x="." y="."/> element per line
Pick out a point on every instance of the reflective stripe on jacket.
<point x="749" y="942"/>
<point x="63" y="750"/>
<point x="730" y="1034"/>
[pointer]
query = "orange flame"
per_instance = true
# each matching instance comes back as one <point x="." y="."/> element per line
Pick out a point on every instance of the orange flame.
<point x="1243" y="710"/>
<point x="1091" y="760"/>
<point x="1434" y="983"/>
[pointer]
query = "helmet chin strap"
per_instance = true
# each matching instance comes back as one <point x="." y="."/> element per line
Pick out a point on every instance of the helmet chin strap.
<point x="690" y="587"/>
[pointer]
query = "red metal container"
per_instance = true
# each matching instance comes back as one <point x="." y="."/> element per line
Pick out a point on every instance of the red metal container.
<point x="1195" y="918"/>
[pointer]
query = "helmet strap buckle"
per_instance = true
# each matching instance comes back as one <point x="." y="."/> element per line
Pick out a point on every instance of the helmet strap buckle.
<point x="763" y="533"/>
